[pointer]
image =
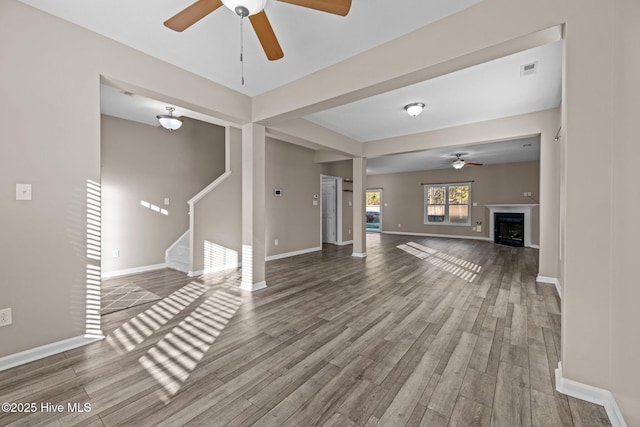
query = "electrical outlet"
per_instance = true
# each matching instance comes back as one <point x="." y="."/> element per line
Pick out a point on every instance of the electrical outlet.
<point x="349" y="231"/>
<point x="5" y="317"/>
<point x="276" y="242"/>
<point x="116" y="253"/>
<point x="399" y="225"/>
<point x="525" y="194"/>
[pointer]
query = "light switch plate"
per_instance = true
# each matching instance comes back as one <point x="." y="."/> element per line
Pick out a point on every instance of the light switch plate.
<point x="5" y="317"/>
<point x="23" y="191"/>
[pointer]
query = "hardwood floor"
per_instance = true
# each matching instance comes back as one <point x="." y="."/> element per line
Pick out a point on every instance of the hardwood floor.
<point x="422" y="332"/>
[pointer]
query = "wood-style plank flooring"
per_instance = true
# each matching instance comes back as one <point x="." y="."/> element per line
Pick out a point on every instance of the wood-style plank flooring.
<point x="423" y="332"/>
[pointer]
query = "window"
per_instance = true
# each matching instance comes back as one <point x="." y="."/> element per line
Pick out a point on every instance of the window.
<point x="447" y="204"/>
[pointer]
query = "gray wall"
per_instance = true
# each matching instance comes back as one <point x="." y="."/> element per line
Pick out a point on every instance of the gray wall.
<point x="504" y="183"/>
<point x="292" y="219"/>
<point x="142" y="162"/>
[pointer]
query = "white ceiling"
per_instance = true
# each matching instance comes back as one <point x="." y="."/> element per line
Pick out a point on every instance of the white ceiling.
<point x="311" y="40"/>
<point x="484" y="92"/>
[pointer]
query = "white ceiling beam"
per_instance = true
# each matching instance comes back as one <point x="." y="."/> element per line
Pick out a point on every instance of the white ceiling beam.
<point x="521" y="126"/>
<point x="303" y="132"/>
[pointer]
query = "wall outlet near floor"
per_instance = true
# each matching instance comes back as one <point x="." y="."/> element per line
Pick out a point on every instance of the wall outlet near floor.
<point x="116" y="253"/>
<point x="276" y="242"/>
<point x="478" y="228"/>
<point x="349" y="231"/>
<point x="5" y="317"/>
<point x="399" y="225"/>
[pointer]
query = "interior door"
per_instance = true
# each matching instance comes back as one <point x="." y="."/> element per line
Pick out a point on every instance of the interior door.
<point x="329" y="211"/>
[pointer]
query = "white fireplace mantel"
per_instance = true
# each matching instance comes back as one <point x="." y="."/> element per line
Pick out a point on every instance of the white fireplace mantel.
<point x="512" y="208"/>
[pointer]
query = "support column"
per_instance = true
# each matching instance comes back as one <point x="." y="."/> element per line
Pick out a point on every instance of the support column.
<point x="359" y="214"/>
<point x="253" y="207"/>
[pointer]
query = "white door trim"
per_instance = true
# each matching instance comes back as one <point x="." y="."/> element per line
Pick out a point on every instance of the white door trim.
<point x="338" y="180"/>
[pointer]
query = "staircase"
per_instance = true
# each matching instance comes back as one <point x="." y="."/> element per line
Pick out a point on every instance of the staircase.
<point x="177" y="256"/>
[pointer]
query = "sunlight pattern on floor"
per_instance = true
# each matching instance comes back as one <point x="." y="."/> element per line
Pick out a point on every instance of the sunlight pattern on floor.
<point x="136" y="330"/>
<point x="172" y="360"/>
<point x="464" y="269"/>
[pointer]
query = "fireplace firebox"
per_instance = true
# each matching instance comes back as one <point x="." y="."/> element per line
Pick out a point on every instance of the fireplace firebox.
<point x="509" y="228"/>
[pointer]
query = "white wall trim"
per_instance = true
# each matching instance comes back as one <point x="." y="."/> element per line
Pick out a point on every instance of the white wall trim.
<point x="448" y="236"/>
<point x="348" y="242"/>
<point x="46" y="350"/>
<point x="553" y="281"/>
<point x="252" y="287"/>
<point x="206" y="190"/>
<point x="359" y="254"/>
<point x="534" y="246"/>
<point x="215" y="269"/>
<point x="293" y="253"/>
<point x="134" y="270"/>
<point x="591" y="394"/>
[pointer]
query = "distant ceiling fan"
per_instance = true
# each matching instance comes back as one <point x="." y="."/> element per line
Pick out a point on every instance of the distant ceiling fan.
<point x="254" y="9"/>
<point x="460" y="163"/>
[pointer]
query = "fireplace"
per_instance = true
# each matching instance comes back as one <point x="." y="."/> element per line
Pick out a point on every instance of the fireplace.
<point x="509" y="228"/>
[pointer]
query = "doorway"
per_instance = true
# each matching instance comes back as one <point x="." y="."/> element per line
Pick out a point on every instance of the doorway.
<point x="331" y="209"/>
<point x="373" y="209"/>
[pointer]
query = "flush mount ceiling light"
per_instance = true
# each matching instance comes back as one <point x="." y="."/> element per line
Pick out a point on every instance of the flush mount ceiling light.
<point x="414" y="109"/>
<point x="169" y="121"/>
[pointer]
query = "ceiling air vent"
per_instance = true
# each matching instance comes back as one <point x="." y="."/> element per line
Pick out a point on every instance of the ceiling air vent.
<point x="528" y="69"/>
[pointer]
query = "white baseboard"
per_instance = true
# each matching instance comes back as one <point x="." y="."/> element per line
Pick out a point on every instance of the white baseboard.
<point x="359" y="254"/>
<point x="37" y="353"/>
<point x="553" y="281"/>
<point x="534" y="246"/>
<point x="252" y="287"/>
<point x="294" y="253"/>
<point x="135" y="270"/>
<point x="448" y="236"/>
<point x="348" y="242"/>
<point x="215" y="269"/>
<point x="591" y="394"/>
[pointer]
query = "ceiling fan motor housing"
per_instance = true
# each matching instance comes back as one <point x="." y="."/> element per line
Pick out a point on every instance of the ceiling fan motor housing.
<point x="245" y="7"/>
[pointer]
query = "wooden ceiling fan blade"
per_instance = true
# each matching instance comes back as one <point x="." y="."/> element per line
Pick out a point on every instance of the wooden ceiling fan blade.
<point x="337" y="7"/>
<point x="473" y="163"/>
<point x="267" y="37"/>
<point x="192" y="14"/>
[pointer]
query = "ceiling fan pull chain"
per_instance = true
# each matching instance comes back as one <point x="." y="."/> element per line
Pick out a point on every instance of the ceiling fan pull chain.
<point x="241" y="52"/>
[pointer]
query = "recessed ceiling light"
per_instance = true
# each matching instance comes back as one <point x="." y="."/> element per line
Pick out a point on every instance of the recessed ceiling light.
<point x="414" y="109"/>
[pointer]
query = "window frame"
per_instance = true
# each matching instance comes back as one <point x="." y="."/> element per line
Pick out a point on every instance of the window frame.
<point x="447" y="221"/>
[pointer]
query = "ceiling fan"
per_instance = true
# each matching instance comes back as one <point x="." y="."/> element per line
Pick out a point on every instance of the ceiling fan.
<point x="459" y="163"/>
<point x="254" y="9"/>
